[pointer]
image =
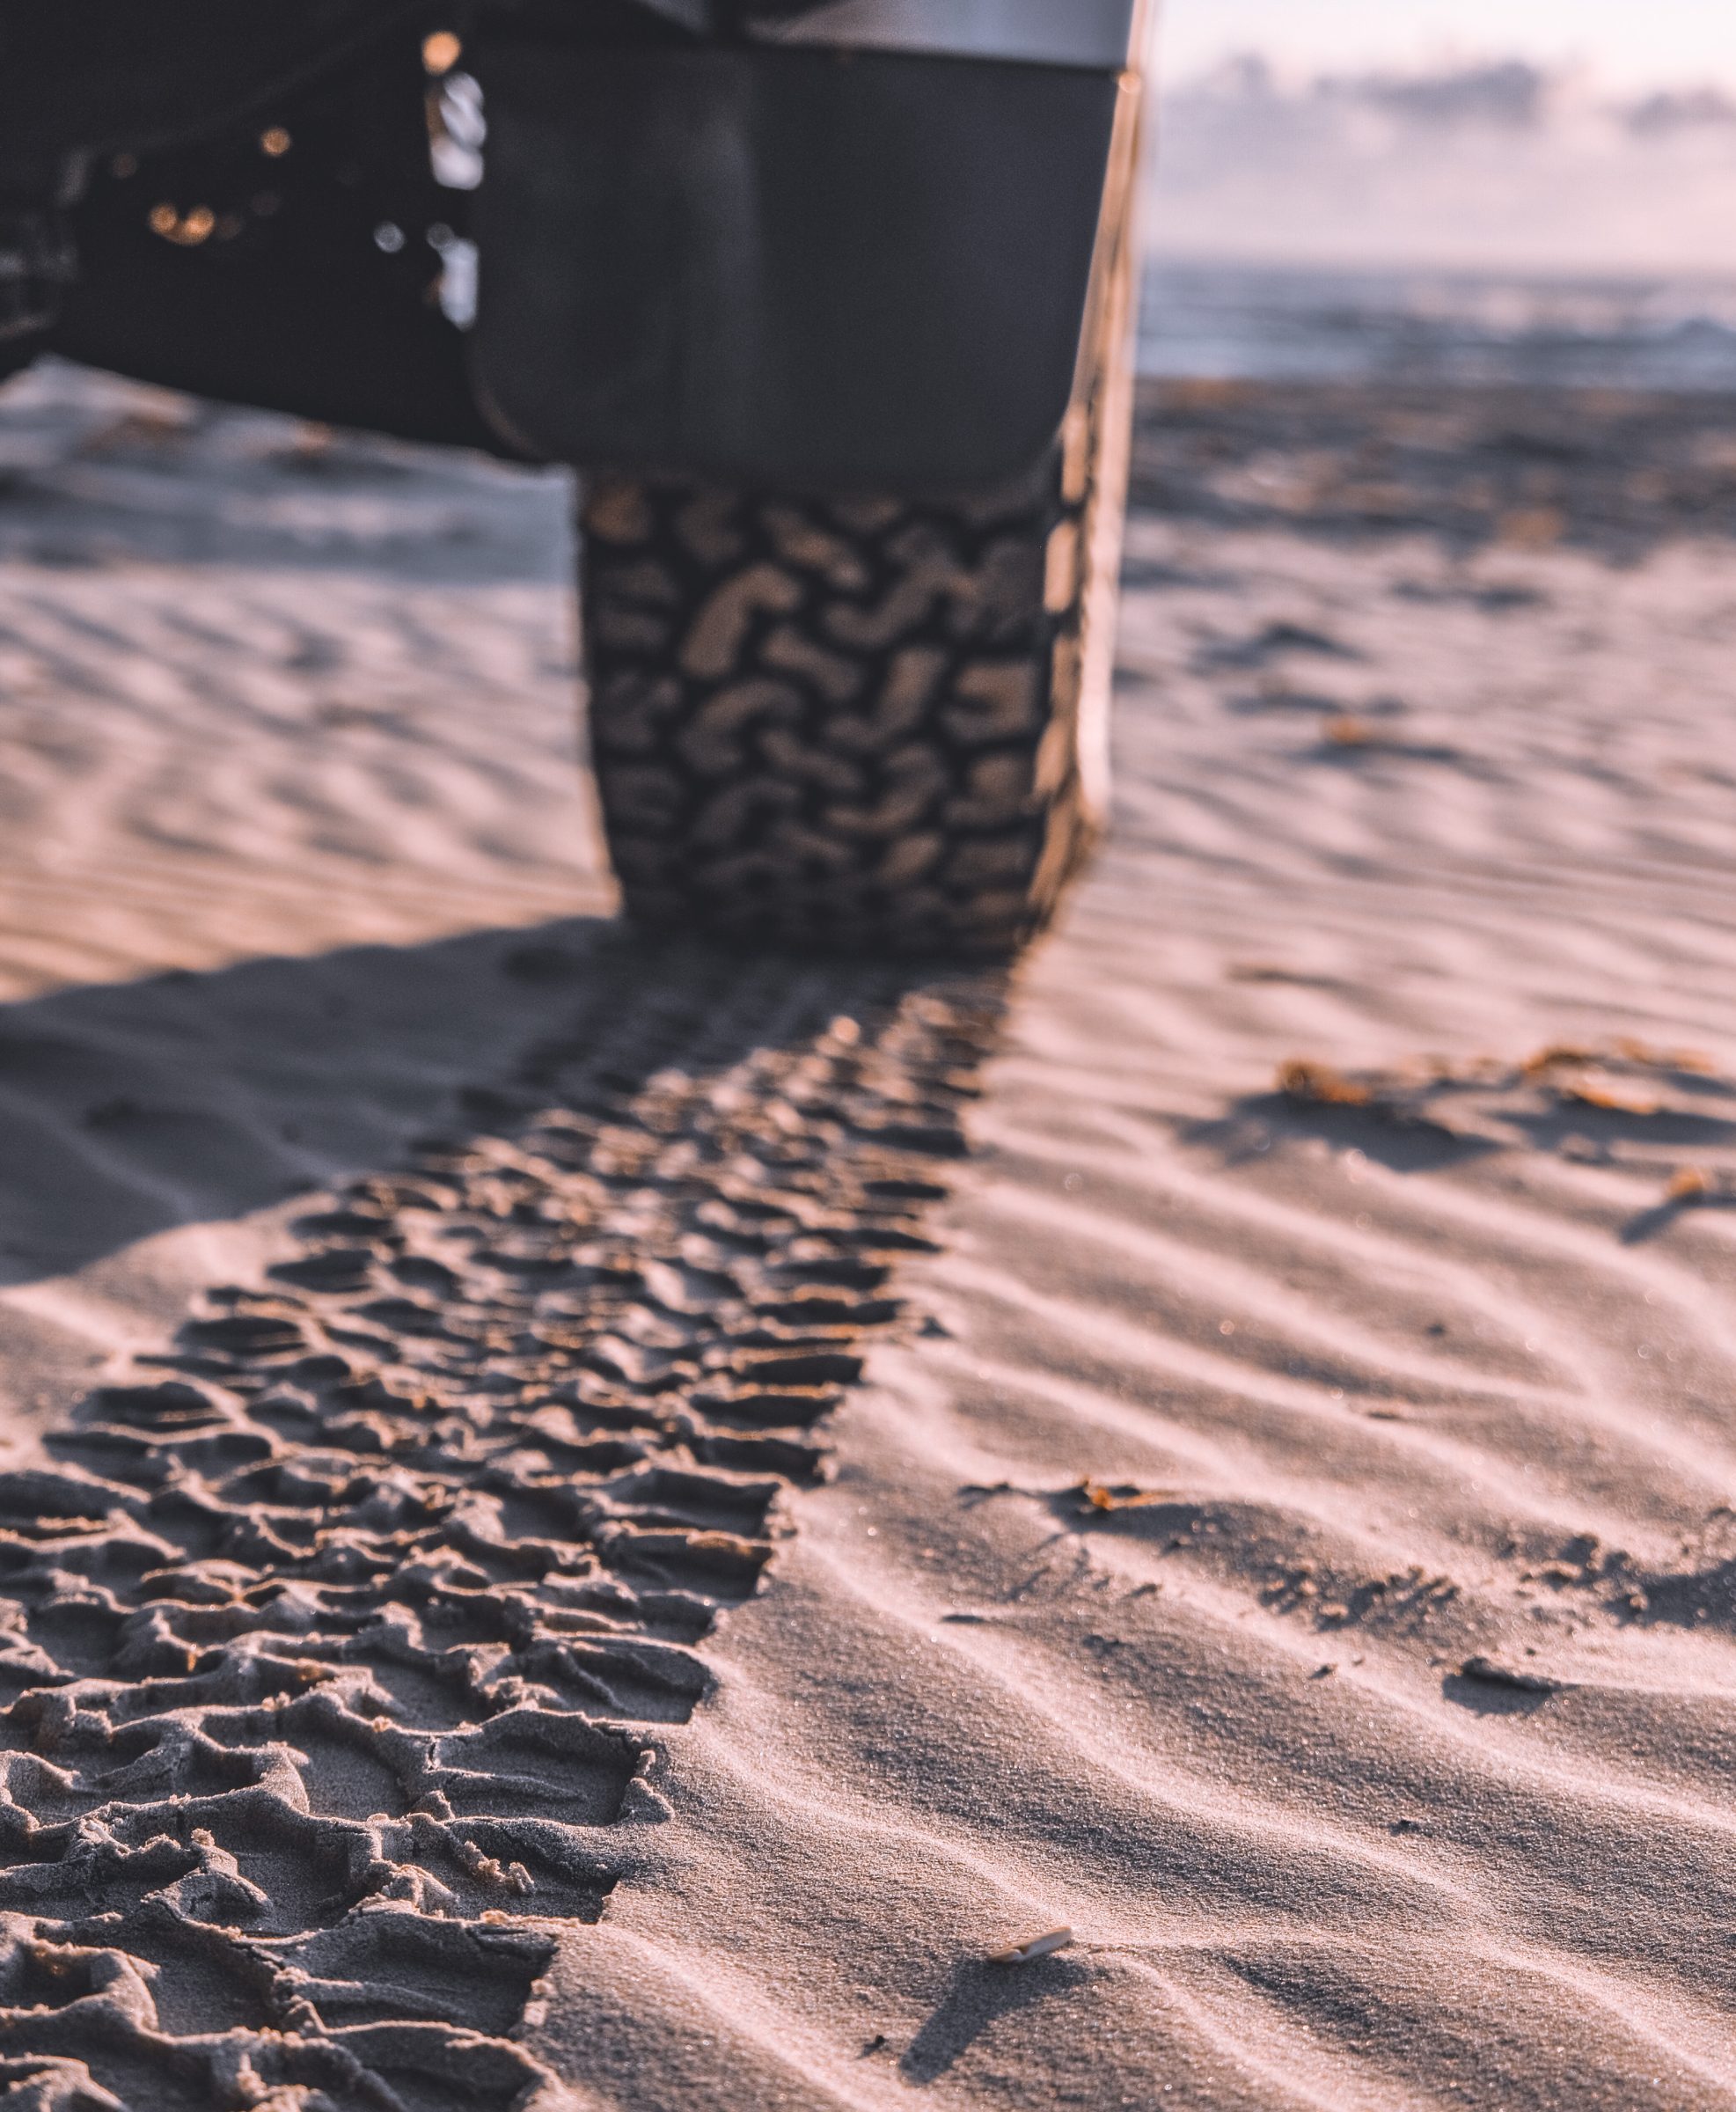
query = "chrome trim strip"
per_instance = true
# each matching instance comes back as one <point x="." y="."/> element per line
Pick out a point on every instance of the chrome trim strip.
<point x="1057" y="33"/>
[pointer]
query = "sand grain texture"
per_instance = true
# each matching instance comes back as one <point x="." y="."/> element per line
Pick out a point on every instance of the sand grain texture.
<point x="1282" y="1530"/>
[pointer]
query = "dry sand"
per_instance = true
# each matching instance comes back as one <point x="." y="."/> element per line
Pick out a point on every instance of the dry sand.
<point x="1284" y="1531"/>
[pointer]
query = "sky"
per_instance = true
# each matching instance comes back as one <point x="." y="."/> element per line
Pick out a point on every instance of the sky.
<point x="1386" y="133"/>
<point x="1629" y="43"/>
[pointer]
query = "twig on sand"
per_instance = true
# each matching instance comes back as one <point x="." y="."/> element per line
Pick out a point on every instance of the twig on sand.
<point x="1319" y="1085"/>
<point x="1566" y="1055"/>
<point x="1120" y="1496"/>
<point x="1691" y="1186"/>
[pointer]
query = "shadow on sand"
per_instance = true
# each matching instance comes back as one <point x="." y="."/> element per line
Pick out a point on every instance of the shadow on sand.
<point x="977" y="1995"/>
<point x="128" y="1109"/>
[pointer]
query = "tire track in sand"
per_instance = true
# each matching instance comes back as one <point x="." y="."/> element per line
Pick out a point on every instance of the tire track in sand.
<point x="335" y="1637"/>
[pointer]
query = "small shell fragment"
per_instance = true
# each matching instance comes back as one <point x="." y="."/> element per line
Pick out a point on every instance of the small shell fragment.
<point x="1033" y="1948"/>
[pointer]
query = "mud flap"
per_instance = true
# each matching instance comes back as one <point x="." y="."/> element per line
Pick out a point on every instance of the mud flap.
<point x="812" y="269"/>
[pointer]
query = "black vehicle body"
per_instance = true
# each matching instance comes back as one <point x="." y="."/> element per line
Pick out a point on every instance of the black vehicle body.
<point x="846" y="245"/>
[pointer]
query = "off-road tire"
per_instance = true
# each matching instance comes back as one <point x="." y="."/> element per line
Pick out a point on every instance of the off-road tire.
<point x="872" y="723"/>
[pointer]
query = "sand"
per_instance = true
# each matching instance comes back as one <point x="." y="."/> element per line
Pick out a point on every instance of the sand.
<point x="595" y="1525"/>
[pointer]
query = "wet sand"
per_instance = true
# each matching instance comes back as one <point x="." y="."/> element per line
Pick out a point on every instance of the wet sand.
<point x="1266" y="1504"/>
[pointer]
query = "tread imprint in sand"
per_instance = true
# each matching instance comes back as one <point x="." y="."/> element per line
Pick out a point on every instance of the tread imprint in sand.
<point x="331" y="1639"/>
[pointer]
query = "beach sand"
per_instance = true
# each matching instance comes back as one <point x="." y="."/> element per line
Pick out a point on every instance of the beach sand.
<point x="696" y="1501"/>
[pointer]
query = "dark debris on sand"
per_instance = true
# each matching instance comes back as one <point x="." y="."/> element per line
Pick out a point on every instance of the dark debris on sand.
<point x="1613" y="471"/>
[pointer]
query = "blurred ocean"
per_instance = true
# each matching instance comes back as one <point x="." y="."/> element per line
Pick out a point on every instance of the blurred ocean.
<point x="1257" y="321"/>
<point x="1487" y="220"/>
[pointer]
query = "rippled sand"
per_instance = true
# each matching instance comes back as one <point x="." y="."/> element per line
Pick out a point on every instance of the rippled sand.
<point x="1283" y="1530"/>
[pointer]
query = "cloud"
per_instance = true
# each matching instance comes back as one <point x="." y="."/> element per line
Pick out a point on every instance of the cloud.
<point x="1498" y="163"/>
<point x="1509" y="95"/>
<point x="1676" y="111"/>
